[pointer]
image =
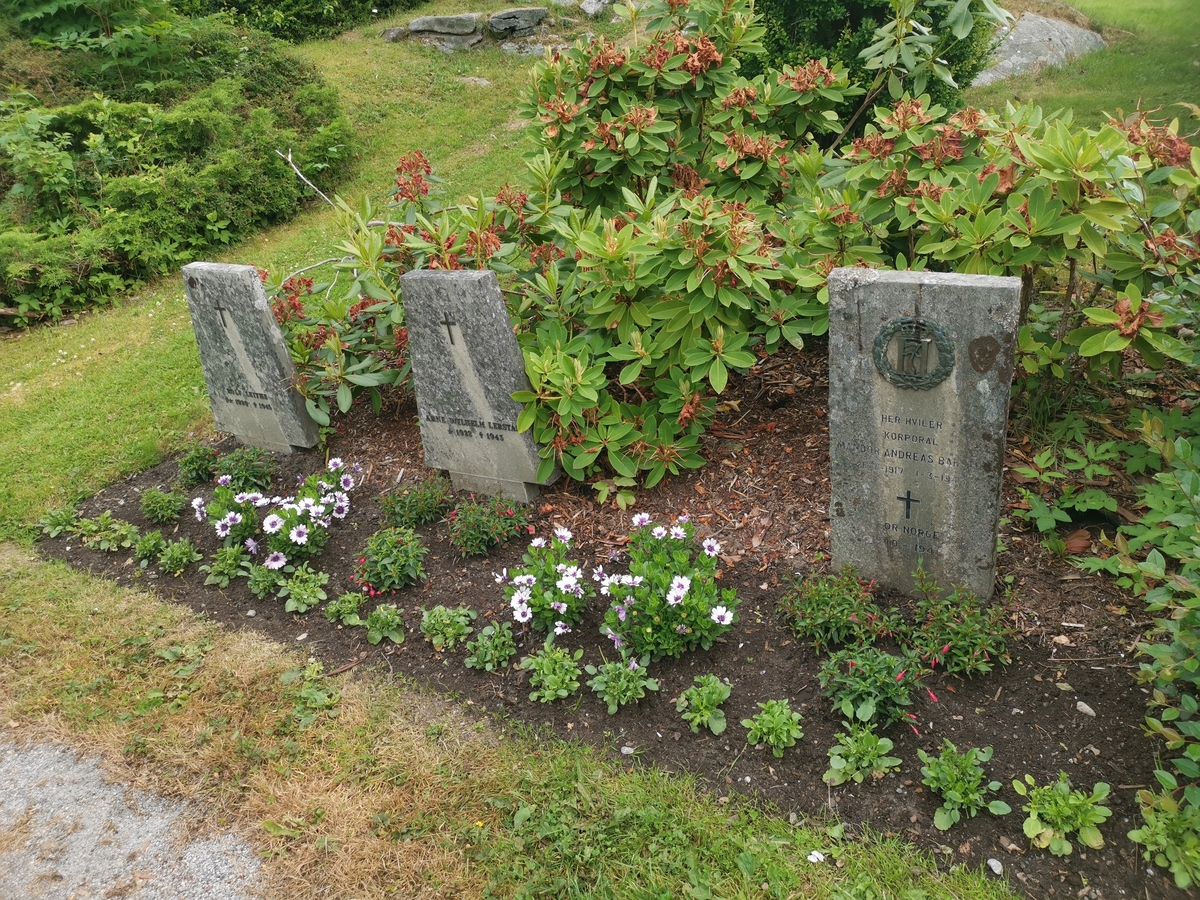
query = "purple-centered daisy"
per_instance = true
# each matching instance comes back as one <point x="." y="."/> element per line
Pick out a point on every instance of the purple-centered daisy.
<point x="347" y="482"/>
<point x="335" y="464"/>
<point x="272" y="524"/>
<point x="538" y="543"/>
<point x="721" y="615"/>
<point x="563" y="534"/>
<point x="223" y="480"/>
<point x="659" y="532"/>
<point x="558" y="606"/>
<point x="223" y="528"/>
<point x="561" y="628"/>
<point x="501" y="576"/>
<point x="678" y="532"/>
<point x="616" y="639"/>
<point x="298" y="535"/>
<point x="641" y="519"/>
<point x="522" y="613"/>
<point x="711" y="547"/>
<point x="233" y="518"/>
<point x="275" y="561"/>
<point x="241" y="498"/>
<point x="251" y="545"/>
<point x="521" y="597"/>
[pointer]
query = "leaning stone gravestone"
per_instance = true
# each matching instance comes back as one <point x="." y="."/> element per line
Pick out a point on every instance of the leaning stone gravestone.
<point x="920" y="366"/>
<point x="246" y="363"/>
<point x="466" y="366"/>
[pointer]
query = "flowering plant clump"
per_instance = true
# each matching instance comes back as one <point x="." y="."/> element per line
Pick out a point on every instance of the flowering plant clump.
<point x="958" y="632"/>
<point x="833" y="610"/>
<point x="621" y="681"/>
<point x="232" y="514"/>
<point x="549" y="590"/>
<point x="246" y="469"/>
<point x="554" y="672"/>
<point x="669" y="602"/>
<point x="868" y="685"/>
<point x="298" y="527"/>
<point x="392" y="560"/>
<point x="478" y="525"/>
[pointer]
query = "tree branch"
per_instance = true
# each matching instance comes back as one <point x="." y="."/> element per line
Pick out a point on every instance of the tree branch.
<point x="295" y="168"/>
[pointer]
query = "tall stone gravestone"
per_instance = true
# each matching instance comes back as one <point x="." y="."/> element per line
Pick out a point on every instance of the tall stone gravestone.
<point x="246" y="363"/>
<point x="466" y="366"/>
<point x="920" y="366"/>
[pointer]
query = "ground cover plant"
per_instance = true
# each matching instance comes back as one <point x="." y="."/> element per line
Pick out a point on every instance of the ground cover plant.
<point x="542" y="818"/>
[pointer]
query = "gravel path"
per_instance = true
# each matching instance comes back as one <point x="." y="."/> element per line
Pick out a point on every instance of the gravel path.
<point x="67" y="835"/>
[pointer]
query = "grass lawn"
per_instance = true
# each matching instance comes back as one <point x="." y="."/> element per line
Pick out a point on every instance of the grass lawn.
<point x="84" y="403"/>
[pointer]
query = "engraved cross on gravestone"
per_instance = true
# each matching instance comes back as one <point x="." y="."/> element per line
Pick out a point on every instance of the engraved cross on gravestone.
<point x="920" y="366"/>
<point x="466" y="366"/>
<point x="246" y="365"/>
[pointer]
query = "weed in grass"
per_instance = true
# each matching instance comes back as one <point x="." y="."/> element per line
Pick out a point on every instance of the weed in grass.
<point x="478" y="525"/>
<point x="384" y="622"/>
<point x="162" y="507"/>
<point x="56" y="521"/>
<point x="344" y="609"/>
<point x="835" y="610"/>
<point x="227" y="564"/>
<point x="392" y="559"/>
<point x="492" y="648"/>
<point x="1055" y="811"/>
<point x="311" y="698"/>
<point x="959" y="780"/>
<point x="418" y="505"/>
<point x="246" y="469"/>
<point x="554" y="672"/>
<point x="776" y="725"/>
<point x="303" y="589"/>
<point x="105" y="532"/>
<point x="148" y="547"/>
<point x="447" y="628"/>
<point x="859" y="752"/>
<point x="868" y="685"/>
<point x="197" y="465"/>
<point x="176" y="556"/>
<point x="621" y="682"/>
<point x="701" y="704"/>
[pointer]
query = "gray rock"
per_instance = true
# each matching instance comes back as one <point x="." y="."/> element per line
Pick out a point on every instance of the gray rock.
<point x="1037" y="41"/>
<point x="477" y="82"/>
<point x="594" y="7"/>
<point x="996" y="866"/>
<point x="393" y="35"/>
<point x="246" y="364"/>
<point x="1085" y="709"/>
<point x="466" y="366"/>
<point x="919" y="371"/>
<point x="522" y="48"/>
<point x="448" y="43"/>
<point x="517" y="22"/>
<point x="465" y="23"/>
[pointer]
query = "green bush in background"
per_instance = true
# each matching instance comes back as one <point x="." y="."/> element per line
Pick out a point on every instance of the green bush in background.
<point x="298" y="20"/>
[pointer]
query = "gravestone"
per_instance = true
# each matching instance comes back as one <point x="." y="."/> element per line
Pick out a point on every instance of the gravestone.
<point x="920" y="366"/>
<point x="466" y="366"/>
<point x="246" y="363"/>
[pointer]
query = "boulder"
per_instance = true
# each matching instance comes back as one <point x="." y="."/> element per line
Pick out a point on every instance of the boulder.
<point x="594" y="7"/>
<point x="466" y="23"/>
<point x="392" y="35"/>
<point x="1037" y="41"/>
<point x="517" y="22"/>
<point x="448" y="43"/>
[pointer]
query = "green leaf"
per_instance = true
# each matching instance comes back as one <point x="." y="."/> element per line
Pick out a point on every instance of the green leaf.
<point x="718" y="375"/>
<point x="943" y="818"/>
<point x="999" y="808"/>
<point x="345" y="397"/>
<point x="277" y="830"/>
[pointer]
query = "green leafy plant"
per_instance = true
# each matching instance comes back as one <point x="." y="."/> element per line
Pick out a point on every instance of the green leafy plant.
<point x="262" y="581"/>
<point x="869" y="685"/>
<point x="1055" y="811"/>
<point x="958" y="778"/>
<point x="312" y="699"/>
<point x="478" y="525"/>
<point x="197" y="465"/>
<point x="492" y="648"/>
<point x="1170" y="833"/>
<point x="447" y="628"/>
<point x="833" y="610"/>
<point x="858" y="753"/>
<point x="549" y="590"/>
<point x="958" y="632"/>
<point x="147" y="547"/>
<point x="176" y="556"/>
<point x="701" y="704"/>
<point x="105" y="532"/>
<point x="776" y="725"/>
<point x="344" y="609"/>
<point x="669" y="603"/>
<point x="554" y="672"/>
<point x="303" y="589"/>
<point x="246" y="469"/>
<point x="384" y="622"/>
<point x="621" y="682"/>
<point x="412" y="507"/>
<point x="162" y="507"/>
<point x="56" y="521"/>
<point x="227" y="564"/>
<point x="392" y="559"/>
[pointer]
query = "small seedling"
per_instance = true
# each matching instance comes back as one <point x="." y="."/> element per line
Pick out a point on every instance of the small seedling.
<point x="147" y="547"/>
<point x="492" y="649"/>
<point x="106" y="532"/>
<point x="776" y="726"/>
<point x="384" y="622"/>
<point x="162" y="507"/>
<point x="858" y="753"/>
<point x="57" y="521"/>
<point x="701" y="704"/>
<point x="1054" y="811"/>
<point x="959" y="780"/>
<point x="447" y="628"/>
<point x="554" y="672"/>
<point x="227" y="564"/>
<point x="418" y="505"/>
<point x="303" y="589"/>
<point x="621" y="681"/>
<point x="176" y="556"/>
<point x="344" y="609"/>
<point x="262" y="581"/>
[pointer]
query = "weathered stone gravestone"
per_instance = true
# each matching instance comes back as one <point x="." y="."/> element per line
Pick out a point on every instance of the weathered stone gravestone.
<point x="466" y="366"/>
<point x="920" y="366"/>
<point x="246" y="363"/>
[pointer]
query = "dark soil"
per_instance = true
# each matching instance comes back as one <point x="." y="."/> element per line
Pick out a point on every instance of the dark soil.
<point x="763" y="495"/>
